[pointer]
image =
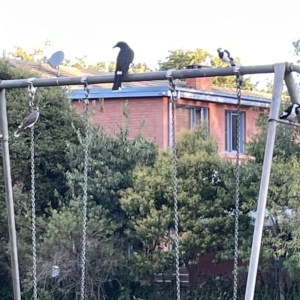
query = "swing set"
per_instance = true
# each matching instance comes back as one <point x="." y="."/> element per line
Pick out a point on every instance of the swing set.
<point x="282" y="72"/>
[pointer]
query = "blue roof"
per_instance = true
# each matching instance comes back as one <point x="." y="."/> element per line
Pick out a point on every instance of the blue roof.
<point x="163" y="90"/>
<point x="127" y="92"/>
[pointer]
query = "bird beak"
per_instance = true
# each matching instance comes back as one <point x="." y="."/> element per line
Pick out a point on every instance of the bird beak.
<point x="114" y="46"/>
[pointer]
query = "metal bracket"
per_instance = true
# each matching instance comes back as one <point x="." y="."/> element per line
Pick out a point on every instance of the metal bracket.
<point x="172" y="86"/>
<point x="87" y="87"/>
<point x="31" y="90"/>
<point x="239" y="77"/>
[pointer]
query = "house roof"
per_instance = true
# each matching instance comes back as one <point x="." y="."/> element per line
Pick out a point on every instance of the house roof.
<point x="136" y="89"/>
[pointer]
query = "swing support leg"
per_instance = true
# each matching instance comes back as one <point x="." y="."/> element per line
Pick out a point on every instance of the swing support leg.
<point x="9" y="197"/>
<point x="279" y="70"/>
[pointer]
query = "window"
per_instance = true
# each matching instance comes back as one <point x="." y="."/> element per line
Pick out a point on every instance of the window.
<point x="199" y="116"/>
<point x="231" y="131"/>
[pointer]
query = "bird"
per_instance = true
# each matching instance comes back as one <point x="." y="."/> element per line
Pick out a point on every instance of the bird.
<point x="28" y="121"/>
<point x="124" y="59"/>
<point x="224" y="55"/>
<point x="291" y="112"/>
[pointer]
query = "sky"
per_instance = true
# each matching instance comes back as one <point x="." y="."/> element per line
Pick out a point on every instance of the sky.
<point x="257" y="31"/>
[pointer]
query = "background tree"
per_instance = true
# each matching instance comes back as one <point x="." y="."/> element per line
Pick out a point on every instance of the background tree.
<point x="204" y="202"/>
<point x="100" y="66"/>
<point x="111" y="66"/>
<point x="281" y="235"/>
<point x="139" y="68"/>
<point x="178" y="59"/>
<point x="52" y="137"/>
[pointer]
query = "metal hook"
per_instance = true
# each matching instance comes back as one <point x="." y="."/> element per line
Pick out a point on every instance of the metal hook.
<point x="87" y="87"/>
<point x="31" y="91"/>
<point x="239" y="77"/>
<point x="172" y="86"/>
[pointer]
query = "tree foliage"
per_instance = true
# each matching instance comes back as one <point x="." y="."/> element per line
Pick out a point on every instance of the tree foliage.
<point x="53" y="135"/>
<point x="205" y="202"/>
<point x="179" y="59"/>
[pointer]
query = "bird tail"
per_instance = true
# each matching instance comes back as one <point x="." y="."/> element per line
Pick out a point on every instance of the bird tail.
<point x="117" y="82"/>
<point x="17" y="133"/>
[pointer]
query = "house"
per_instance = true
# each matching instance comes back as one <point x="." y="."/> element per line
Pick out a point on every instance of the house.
<point x="199" y="102"/>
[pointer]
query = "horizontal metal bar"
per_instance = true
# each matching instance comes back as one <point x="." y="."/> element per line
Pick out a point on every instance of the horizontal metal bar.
<point x="295" y="68"/>
<point x="161" y="75"/>
<point x="288" y="123"/>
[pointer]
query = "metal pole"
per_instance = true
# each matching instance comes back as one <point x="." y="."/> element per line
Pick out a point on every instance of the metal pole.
<point x="9" y="198"/>
<point x="265" y="177"/>
<point x="292" y="89"/>
<point x="295" y="68"/>
<point x="161" y="75"/>
<point x="288" y="123"/>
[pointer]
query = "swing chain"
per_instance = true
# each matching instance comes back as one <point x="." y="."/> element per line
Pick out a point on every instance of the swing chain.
<point x="239" y="82"/>
<point x="33" y="216"/>
<point x="85" y="187"/>
<point x="31" y="89"/>
<point x="173" y="98"/>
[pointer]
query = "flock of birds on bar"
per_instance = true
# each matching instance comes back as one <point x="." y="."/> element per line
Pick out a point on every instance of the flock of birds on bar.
<point x="124" y="59"/>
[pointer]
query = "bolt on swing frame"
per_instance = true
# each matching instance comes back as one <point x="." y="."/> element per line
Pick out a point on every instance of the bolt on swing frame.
<point x="283" y="71"/>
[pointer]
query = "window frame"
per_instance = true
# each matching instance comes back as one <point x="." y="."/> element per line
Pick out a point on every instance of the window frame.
<point x="204" y="112"/>
<point x="228" y="131"/>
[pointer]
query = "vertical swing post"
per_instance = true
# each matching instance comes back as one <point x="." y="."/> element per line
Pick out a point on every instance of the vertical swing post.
<point x="9" y="198"/>
<point x="279" y="70"/>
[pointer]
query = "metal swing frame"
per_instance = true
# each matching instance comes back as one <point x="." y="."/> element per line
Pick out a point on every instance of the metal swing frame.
<point x="282" y="71"/>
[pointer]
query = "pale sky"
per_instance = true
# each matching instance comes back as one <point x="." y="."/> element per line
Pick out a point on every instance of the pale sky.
<point x="257" y="31"/>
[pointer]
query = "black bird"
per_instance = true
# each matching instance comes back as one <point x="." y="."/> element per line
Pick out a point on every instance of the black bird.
<point x="29" y="121"/>
<point x="124" y="59"/>
<point x="291" y="112"/>
<point x="224" y="55"/>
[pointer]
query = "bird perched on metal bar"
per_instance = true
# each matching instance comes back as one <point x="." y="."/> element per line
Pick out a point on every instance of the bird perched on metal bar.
<point x="29" y="121"/>
<point x="124" y="59"/>
<point x="224" y="55"/>
<point x="291" y="112"/>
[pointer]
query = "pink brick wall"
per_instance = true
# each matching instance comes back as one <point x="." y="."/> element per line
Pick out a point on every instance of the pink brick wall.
<point x="217" y="121"/>
<point x="154" y="111"/>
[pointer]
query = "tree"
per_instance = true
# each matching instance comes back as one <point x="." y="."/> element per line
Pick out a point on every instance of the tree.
<point x="60" y="244"/>
<point x="80" y="63"/>
<point x="204" y="204"/>
<point x="36" y="54"/>
<point x="139" y="68"/>
<point x="52" y="137"/>
<point x="281" y="238"/>
<point x="26" y="55"/>
<point x="178" y="59"/>
<point x="112" y="159"/>
<point x="100" y="66"/>
<point x="111" y="66"/>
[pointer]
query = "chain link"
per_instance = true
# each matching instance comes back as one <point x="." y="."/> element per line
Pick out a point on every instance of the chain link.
<point x="237" y="190"/>
<point x="31" y="93"/>
<point x="85" y="187"/>
<point x="33" y="216"/>
<point x="174" y="164"/>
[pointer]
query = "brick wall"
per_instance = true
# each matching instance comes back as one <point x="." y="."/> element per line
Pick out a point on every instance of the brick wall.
<point x="216" y="120"/>
<point x="182" y="119"/>
<point x="200" y="83"/>
<point x="154" y="111"/>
